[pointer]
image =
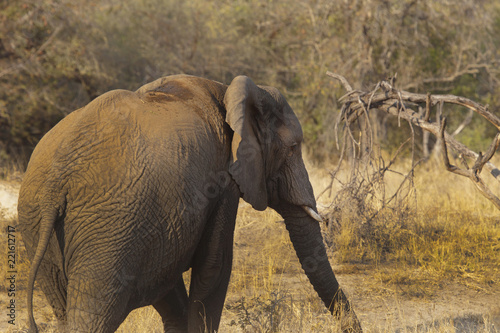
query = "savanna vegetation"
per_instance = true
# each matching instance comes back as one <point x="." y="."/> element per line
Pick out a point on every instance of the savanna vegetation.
<point x="437" y="233"/>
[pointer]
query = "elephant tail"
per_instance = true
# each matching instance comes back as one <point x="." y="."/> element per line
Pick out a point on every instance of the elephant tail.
<point x="47" y="224"/>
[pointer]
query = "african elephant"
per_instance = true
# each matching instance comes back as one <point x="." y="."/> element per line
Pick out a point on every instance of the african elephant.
<point x="127" y="193"/>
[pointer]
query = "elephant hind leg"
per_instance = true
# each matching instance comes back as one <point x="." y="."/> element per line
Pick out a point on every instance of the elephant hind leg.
<point x="97" y="302"/>
<point x="173" y="308"/>
<point x="53" y="284"/>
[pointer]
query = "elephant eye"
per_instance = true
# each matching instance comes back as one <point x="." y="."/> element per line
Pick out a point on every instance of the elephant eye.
<point x="292" y="149"/>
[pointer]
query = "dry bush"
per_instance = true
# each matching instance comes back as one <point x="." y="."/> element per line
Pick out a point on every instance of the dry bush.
<point x="379" y="215"/>
<point x="438" y="231"/>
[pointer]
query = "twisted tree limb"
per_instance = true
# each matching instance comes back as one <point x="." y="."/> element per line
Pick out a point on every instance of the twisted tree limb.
<point x="474" y="172"/>
<point x="396" y="102"/>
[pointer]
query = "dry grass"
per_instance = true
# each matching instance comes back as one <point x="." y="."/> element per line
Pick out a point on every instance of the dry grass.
<point x="411" y="274"/>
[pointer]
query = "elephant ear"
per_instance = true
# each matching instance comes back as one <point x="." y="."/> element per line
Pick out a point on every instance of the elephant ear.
<point x="247" y="167"/>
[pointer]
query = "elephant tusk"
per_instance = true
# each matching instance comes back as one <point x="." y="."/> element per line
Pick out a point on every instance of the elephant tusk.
<point x="312" y="213"/>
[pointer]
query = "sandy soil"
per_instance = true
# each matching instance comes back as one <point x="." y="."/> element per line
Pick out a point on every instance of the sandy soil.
<point x="8" y="199"/>
<point x="470" y="310"/>
<point x="380" y="308"/>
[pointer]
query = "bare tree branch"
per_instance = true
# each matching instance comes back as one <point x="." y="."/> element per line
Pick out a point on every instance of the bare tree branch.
<point x="470" y="69"/>
<point x="473" y="174"/>
<point x="394" y="102"/>
<point x="464" y="123"/>
<point x="342" y="79"/>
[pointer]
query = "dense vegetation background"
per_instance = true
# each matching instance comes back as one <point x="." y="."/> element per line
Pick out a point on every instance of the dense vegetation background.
<point x="57" y="55"/>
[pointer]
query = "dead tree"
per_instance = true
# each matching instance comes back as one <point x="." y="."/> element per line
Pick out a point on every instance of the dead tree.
<point x="399" y="103"/>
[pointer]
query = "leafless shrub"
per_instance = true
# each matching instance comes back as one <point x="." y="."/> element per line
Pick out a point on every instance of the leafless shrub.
<point x="261" y="314"/>
<point x="364" y="196"/>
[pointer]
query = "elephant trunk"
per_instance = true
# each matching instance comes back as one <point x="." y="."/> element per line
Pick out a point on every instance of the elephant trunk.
<point x="305" y="235"/>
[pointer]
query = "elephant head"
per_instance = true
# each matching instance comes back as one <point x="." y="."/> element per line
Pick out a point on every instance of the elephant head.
<point x="267" y="165"/>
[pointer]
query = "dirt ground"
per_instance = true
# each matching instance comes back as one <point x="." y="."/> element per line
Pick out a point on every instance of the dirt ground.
<point x="469" y="310"/>
<point x="453" y="307"/>
<point x="8" y="199"/>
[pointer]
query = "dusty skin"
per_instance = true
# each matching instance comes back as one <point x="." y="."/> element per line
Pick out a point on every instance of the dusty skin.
<point x="381" y="307"/>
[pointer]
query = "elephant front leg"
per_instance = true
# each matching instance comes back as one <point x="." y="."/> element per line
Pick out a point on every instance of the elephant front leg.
<point x="211" y="267"/>
<point x="173" y="309"/>
<point x="206" y="301"/>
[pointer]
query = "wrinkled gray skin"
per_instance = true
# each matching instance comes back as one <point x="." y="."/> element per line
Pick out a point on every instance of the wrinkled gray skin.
<point x="127" y="193"/>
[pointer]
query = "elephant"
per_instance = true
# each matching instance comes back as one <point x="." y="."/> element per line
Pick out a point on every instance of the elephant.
<point x="125" y="194"/>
